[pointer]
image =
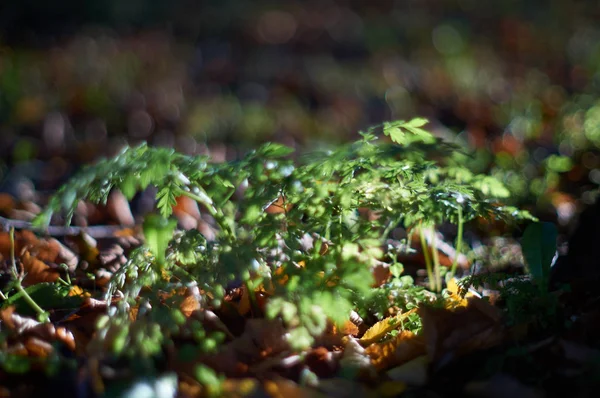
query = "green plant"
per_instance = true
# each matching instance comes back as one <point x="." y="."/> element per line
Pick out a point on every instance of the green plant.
<point x="539" y="250"/>
<point x="527" y="298"/>
<point x="297" y="227"/>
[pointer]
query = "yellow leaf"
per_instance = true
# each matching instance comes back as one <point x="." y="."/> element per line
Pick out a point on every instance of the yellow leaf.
<point x="456" y="300"/>
<point x="381" y="328"/>
<point x="78" y="291"/>
<point x="404" y="347"/>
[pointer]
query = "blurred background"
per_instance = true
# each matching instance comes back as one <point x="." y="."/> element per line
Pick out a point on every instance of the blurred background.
<point x="516" y="82"/>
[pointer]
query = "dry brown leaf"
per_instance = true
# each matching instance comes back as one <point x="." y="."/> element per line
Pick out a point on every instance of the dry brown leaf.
<point x="381" y="273"/>
<point x="118" y="208"/>
<point x="261" y="338"/>
<point x="355" y="359"/>
<point x="7" y="203"/>
<point x="459" y="331"/>
<point x="186" y="206"/>
<point x="189" y="304"/>
<point x="37" y="335"/>
<point x="36" y="271"/>
<point x="334" y="335"/>
<point x="65" y="255"/>
<point x="413" y="372"/>
<point x="402" y="348"/>
<point x="44" y="250"/>
<point x="278" y="206"/>
<point x="322" y="362"/>
<point x="22" y="239"/>
<point x="37" y="347"/>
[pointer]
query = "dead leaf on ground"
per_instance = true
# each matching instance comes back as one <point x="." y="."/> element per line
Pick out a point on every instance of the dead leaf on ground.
<point x="398" y="350"/>
<point x="414" y="372"/>
<point x="322" y="362"/>
<point x="383" y="327"/>
<point x="35" y="335"/>
<point x="450" y="333"/>
<point x="37" y="271"/>
<point x="118" y="208"/>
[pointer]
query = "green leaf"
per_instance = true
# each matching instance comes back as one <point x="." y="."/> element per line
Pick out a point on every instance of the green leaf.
<point x="490" y="186"/>
<point x="559" y="164"/>
<point x="539" y="248"/>
<point x="208" y="378"/>
<point x="395" y="133"/>
<point x="47" y="295"/>
<point x="129" y="186"/>
<point x="273" y="150"/>
<point x="417" y="122"/>
<point x="166" y="199"/>
<point x="158" y="231"/>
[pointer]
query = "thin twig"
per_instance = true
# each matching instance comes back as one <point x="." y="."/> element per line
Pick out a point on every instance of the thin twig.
<point x="96" y="231"/>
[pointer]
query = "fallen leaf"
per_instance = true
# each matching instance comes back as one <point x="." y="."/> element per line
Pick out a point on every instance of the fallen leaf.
<point x="453" y="332"/>
<point x="7" y="203"/>
<point x="37" y="348"/>
<point x="413" y="372"/>
<point x="36" y="271"/>
<point x="322" y="362"/>
<point x="278" y="206"/>
<point x="355" y="361"/>
<point x="383" y="327"/>
<point x="398" y="350"/>
<point x="118" y="208"/>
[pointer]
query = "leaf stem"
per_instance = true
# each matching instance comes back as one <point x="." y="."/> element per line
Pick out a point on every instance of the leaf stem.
<point x="427" y="257"/>
<point x="459" y="241"/>
<point x="436" y="262"/>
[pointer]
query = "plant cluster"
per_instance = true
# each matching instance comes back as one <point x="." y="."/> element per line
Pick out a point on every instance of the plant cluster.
<point x="304" y="234"/>
<point x="297" y="228"/>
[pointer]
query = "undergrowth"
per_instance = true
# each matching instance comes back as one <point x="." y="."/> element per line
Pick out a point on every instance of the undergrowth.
<point x="296" y="230"/>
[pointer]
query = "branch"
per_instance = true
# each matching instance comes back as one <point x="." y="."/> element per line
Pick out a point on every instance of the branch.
<point x="96" y="231"/>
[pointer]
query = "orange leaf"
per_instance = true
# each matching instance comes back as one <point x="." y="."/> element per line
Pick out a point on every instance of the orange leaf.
<point x="278" y="206"/>
<point x="404" y="347"/>
<point x="189" y="304"/>
<point x="37" y="347"/>
<point x="37" y="271"/>
<point x="7" y="203"/>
